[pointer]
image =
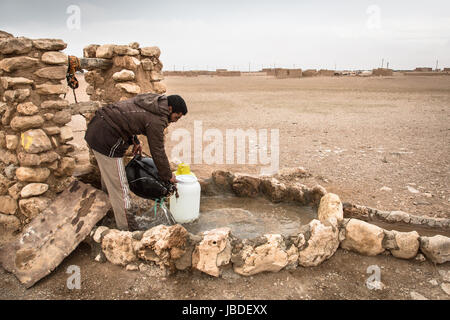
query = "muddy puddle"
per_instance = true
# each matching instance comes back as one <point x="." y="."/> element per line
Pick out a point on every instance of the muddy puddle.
<point x="250" y="217"/>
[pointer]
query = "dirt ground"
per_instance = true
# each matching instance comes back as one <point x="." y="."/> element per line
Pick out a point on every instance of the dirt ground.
<point x="354" y="135"/>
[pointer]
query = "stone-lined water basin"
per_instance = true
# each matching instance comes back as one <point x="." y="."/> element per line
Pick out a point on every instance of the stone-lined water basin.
<point x="250" y="217"/>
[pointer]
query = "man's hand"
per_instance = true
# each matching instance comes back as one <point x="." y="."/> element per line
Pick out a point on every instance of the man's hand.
<point x="137" y="148"/>
<point x="173" y="179"/>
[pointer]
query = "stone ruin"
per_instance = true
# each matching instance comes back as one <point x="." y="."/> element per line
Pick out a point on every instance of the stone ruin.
<point x="34" y="151"/>
<point x="337" y="225"/>
<point x="133" y="70"/>
<point x="37" y="158"/>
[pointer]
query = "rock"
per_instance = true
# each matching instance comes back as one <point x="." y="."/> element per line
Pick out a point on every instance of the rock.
<point x="10" y="82"/>
<point x="321" y="245"/>
<point x="273" y="189"/>
<point x="54" y="73"/>
<point x="14" y="191"/>
<point x="9" y="222"/>
<point x="123" y="50"/>
<point x="27" y="159"/>
<point x="105" y="51"/>
<point x="412" y="190"/>
<point x="17" y="63"/>
<point x="420" y="257"/>
<point x="49" y="156"/>
<point x="291" y="173"/>
<point x="126" y="62"/>
<point x="66" y="134"/>
<point x="27" y="108"/>
<point x="132" y="267"/>
<point x="35" y="141"/>
<point x="296" y="192"/>
<point x="62" y="117"/>
<point x="129" y="87"/>
<point x="48" y="116"/>
<point x="4" y="34"/>
<point x="445" y="274"/>
<point x="156" y="76"/>
<point x="316" y="193"/>
<point x="51" y="89"/>
<point x="223" y="179"/>
<point x="147" y="64"/>
<point x="150" y="52"/>
<point x="159" y="87"/>
<point x="118" y="247"/>
<point x="163" y="244"/>
<point x="4" y="184"/>
<point x="363" y="237"/>
<point x="65" y="167"/>
<point x="408" y="244"/>
<point x="213" y="251"/>
<point x="18" y="95"/>
<point x="134" y="45"/>
<point x="99" y="233"/>
<point x="10" y="172"/>
<point x="384" y="188"/>
<point x="49" y="44"/>
<point x="55" y="104"/>
<point x="15" y="45"/>
<point x="12" y="141"/>
<point x="246" y="186"/>
<point x="54" y="57"/>
<point x="446" y="288"/>
<point x="397" y="216"/>
<point x="330" y="209"/>
<point x="436" y="248"/>
<point x="31" y="207"/>
<point x="90" y="51"/>
<point x="21" y="123"/>
<point x="33" y="189"/>
<point x="266" y="257"/>
<point x="51" y="131"/>
<point x="124" y="75"/>
<point x="433" y="282"/>
<point x="417" y="296"/>
<point x="8" y="205"/>
<point x="7" y="157"/>
<point x="32" y="174"/>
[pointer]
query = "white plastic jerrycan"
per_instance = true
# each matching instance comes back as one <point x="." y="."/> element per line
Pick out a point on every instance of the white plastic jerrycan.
<point x="186" y="208"/>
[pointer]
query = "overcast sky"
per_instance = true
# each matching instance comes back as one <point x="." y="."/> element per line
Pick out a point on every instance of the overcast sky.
<point x="354" y="34"/>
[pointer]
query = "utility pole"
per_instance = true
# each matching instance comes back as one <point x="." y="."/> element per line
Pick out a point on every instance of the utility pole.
<point x="437" y="62"/>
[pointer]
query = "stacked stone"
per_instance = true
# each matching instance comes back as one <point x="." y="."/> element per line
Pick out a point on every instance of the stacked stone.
<point x="134" y="70"/>
<point x="34" y="164"/>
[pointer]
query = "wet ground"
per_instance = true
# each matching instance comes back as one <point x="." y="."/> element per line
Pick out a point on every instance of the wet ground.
<point x="250" y="217"/>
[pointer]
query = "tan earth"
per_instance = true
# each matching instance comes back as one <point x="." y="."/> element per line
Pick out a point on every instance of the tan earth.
<point x="354" y="135"/>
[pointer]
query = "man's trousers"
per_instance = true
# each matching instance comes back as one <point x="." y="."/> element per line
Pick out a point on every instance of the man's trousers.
<point x="114" y="179"/>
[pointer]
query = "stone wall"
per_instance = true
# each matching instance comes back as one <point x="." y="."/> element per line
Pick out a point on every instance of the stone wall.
<point x="134" y="70"/>
<point x="34" y="161"/>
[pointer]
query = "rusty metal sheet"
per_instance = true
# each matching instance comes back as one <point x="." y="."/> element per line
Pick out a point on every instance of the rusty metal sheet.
<point x="55" y="233"/>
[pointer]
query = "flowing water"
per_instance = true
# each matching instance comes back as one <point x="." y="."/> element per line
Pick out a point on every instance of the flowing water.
<point x="250" y="217"/>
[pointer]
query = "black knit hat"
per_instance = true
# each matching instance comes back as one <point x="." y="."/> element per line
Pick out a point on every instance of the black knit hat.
<point x="177" y="103"/>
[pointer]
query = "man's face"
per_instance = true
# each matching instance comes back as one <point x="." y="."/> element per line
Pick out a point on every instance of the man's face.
<point x="175" y="116"/>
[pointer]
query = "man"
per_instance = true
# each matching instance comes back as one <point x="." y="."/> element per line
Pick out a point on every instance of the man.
<point x="114" y="128"/>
